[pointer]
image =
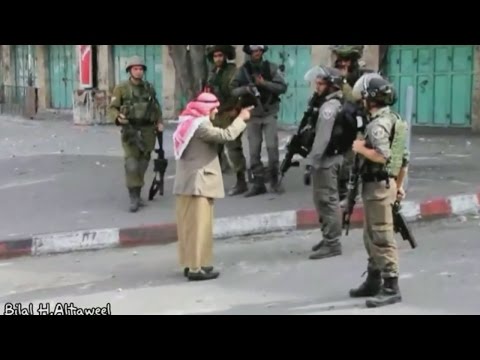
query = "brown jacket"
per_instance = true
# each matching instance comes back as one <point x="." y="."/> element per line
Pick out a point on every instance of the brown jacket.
<point x="198" y="172"/>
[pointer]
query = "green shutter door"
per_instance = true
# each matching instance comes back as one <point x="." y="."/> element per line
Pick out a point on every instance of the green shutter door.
<point x="297" y="61"/>
<point x="62" y="75"/>
<point x="442" y="76"/>
<point x="151" y="54"/>
<point x="23" y="59"/>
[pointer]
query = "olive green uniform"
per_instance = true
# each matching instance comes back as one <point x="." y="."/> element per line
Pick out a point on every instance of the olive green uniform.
<point x="219" y="81"/>
<point x="139" y="104"/>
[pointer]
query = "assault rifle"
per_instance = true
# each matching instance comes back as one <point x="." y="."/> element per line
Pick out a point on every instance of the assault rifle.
<point x="159" y="167"/>
<point x="253" y="88"/>
<point x="352" y="187"/>
<point x="301" y="143"/>
<point x="400" y="225"/>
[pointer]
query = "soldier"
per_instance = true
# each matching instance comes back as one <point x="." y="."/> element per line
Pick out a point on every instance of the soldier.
<point x="219" y="81"/>
<point x="134" y="106"/>
<point x="264" y="80"/>
<point x="334" y="136"/>
<point x="348" y="62"/>
<point x="382" y="164"/>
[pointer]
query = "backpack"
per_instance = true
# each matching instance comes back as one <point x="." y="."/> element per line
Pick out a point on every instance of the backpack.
<point x="398" y="143"/>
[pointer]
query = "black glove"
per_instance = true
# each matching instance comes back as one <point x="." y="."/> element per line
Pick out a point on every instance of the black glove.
<point x="307" y="176"/>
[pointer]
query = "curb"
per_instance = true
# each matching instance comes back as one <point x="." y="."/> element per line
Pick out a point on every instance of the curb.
<point x="224" y="228"/>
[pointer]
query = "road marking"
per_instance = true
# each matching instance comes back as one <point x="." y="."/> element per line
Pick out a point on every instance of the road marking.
<point x="26" y="183"/>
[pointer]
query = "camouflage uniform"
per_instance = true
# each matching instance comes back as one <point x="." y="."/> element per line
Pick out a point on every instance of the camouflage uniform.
<point x="219" y="83"/>
<point x="138" y="102"/>
<point x="264" y="118"/>
<point x="353" y="53"/>
<point x="379" y="192"/>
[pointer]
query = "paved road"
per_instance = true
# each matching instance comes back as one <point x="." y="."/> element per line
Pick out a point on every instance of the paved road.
<point x="260" y="275"/>
<point x="58" y="177"/>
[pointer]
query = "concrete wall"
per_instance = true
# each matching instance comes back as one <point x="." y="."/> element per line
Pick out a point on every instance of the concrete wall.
<point x="43" y="77"/>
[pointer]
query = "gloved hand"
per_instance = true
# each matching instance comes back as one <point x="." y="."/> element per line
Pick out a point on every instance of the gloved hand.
<point x="307" y="176"/>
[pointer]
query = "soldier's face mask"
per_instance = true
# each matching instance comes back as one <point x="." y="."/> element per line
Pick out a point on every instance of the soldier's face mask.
<point x="218" y="58"/>
<point x="137" y="72"/>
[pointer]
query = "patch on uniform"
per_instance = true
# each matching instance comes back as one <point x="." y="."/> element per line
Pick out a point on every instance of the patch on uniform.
<point x="328" y="112"/>
<point x="378" y="132"/>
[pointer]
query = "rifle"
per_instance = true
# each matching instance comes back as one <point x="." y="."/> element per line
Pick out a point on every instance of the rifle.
<point x="254" y="89"/>
<point x="352" y="187"/>
<point x="159" y="167"/>
<point x="400" y="225"/>
<point x="301" y="143"/>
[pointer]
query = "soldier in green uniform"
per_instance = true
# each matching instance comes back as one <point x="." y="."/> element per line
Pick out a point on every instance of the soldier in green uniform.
<point x="218" y="82"/>
<point x="134" y="106"/>
<point x="384" y="163"/>
<point x="348" y="62"/>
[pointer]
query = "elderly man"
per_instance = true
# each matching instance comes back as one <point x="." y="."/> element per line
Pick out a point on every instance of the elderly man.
<point x="198" y="181"/>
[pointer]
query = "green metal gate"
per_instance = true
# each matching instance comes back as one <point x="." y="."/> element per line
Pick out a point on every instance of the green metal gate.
<point x="62" y="75"/>
<point x="23" y="60"/>
<point x="297" y="60"/>
<point x="152" y="55"/>
<point x="442" y="76"/>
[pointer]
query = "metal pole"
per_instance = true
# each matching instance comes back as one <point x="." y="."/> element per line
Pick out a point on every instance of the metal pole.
<point x="408" y="118"/>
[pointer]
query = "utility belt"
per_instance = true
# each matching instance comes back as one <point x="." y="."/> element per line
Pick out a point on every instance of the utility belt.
<point x="138" y="124"/>
<point x="378" y="177"/>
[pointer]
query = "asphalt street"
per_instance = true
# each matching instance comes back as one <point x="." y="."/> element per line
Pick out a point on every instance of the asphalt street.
<point x="260" y="275"/>
<point x="58" y="177"/>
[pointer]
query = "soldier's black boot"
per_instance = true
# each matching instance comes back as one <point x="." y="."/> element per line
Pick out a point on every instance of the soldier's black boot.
<point x="258" y="188"/>
<point x="319" y="246"/>
<point x="134" y="200"/>
<point x="371" y="287"/>
<point x="240" y="187"/>
<point x="327" y="251"/>
<point x="141" y="203"/>
<point x="389" y="294"/>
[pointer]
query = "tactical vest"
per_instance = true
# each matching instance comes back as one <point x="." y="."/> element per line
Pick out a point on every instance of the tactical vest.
<point x="349" y="121"/>
<point x="398" y="142"/>
<point x="140" y="104"/>
<point x="266" y="97"/>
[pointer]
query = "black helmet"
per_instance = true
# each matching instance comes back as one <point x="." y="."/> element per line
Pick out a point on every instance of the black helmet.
<point x="247" y="49"/>
<point x="333" y="76"/>
<point x="378" y="89"/>
<point x="228" y="50"/>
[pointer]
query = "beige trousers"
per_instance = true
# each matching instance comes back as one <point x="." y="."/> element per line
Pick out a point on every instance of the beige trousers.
<point x="194" y="231"/>
<point x="378" y="234"/>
